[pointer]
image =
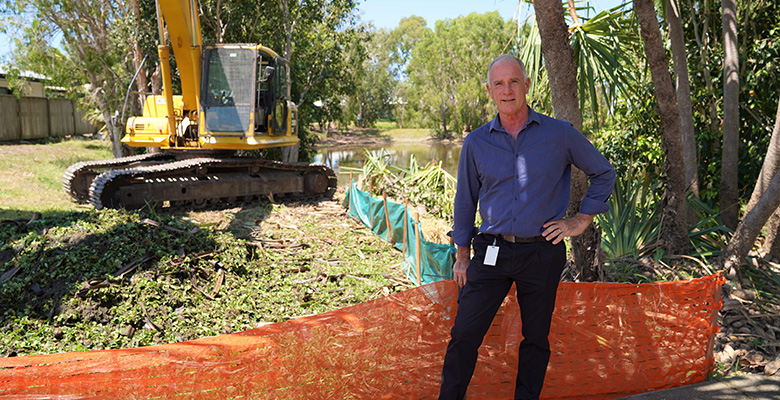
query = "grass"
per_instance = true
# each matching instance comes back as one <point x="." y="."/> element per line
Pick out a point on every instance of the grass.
<point x="391" y="129"/>
<point x="385" y="131"/>
<point x="80" y="279"/>
<point x="31" y="174"/>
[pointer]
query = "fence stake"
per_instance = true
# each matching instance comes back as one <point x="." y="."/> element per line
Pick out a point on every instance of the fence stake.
<point x="351" y="195"/>
<point x="387" y="218"/>
<point x="371" y="204"/>
<point x="406" y="222"/>
<point x="417" y="248"/>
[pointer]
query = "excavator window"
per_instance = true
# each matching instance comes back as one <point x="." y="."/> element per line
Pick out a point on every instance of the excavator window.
<point x="280" y="111"/>
<point x="228" y="99"/>
<point x="264" y="101"/>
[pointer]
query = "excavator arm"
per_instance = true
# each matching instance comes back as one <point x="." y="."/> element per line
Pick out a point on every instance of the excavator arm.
<point x="183" y="23"/>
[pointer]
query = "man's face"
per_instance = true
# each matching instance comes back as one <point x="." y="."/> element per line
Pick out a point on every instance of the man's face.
<point x="508" y="88"/>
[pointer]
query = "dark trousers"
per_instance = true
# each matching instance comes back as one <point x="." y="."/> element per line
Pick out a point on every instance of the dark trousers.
<point x="535" y="268"/>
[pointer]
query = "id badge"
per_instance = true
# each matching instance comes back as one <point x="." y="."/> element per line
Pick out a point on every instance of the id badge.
<point x="491" y="255"/>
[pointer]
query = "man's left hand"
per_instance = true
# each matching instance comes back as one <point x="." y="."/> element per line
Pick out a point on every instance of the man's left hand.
<point x="555" y="231"/>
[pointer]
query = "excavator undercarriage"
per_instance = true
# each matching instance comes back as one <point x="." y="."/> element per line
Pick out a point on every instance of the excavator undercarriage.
<point x="160" y="180"/>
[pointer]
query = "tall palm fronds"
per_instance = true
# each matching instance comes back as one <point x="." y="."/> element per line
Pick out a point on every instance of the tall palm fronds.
<point x="601" y="47"/>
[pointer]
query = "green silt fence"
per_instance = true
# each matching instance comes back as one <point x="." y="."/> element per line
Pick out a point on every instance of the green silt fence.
<point x="435" y="260"/>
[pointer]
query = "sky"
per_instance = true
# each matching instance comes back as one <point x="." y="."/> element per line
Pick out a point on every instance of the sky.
<point x="388" y="13"/>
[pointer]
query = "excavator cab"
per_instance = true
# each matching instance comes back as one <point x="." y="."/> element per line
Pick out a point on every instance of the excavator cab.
<point x="243" y="93"/>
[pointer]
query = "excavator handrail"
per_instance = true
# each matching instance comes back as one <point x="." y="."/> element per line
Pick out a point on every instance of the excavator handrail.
<point x="129" y="88"/>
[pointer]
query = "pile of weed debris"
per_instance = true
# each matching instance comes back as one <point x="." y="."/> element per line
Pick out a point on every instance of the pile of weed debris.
<point x="74" y="281"/>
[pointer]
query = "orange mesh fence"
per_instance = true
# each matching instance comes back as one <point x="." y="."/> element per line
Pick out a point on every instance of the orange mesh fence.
<point x="608" y="340"/>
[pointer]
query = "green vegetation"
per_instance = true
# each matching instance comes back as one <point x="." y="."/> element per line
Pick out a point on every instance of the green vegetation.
<point x="430" y="185"/>
<point x="81" y="280"/>
<point x="631" y="236"/>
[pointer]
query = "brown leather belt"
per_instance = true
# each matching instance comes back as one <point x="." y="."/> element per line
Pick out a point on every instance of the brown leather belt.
<point x="516" y="239"/>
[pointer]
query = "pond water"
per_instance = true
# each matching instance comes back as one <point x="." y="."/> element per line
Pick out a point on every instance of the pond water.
<point x="400" y="155"/>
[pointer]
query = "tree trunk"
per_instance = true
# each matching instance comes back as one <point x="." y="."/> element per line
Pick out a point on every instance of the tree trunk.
<point x="289" y="26"/>
<point x="747" y="230"/>
<point x="771" y="246"/>
<point x="768" y="170"/>
<point x="443" y="116"/>
<point x="142" y="84"/>
<point x="703" y="43"/>
<point x="770" y="166"/>
<point x="289" y="153"/>
<point x="683" y="87"/>
<point x="559" y="60"/>
<point x="156" y="80"/>
<point x="562" y="73"/>
<point x="114" y="132"/>
<point x="674" y="228"/>
<point x="729" y="189"/>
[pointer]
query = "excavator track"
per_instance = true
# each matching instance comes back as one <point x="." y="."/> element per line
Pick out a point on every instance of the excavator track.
<point x="79" y="176"/>
<point x="209" y="182"/>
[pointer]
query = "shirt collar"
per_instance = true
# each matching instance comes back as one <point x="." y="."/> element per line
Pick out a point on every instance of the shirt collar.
<point x="533" y="116"/>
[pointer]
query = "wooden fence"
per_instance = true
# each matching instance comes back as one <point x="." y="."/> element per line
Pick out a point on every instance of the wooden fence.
<point x="30" y="118"/>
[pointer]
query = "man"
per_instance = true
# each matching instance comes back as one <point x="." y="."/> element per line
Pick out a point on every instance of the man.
<point x="518" y="168"/>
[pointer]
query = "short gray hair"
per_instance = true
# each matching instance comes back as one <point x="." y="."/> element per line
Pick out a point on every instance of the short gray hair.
<point x="505" y="57"/>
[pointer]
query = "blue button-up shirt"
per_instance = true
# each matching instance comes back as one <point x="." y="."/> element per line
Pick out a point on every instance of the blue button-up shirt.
<point x="522" y="184"/>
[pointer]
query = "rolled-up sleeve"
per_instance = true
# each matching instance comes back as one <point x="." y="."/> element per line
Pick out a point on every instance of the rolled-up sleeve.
<point x="601" y="174"/>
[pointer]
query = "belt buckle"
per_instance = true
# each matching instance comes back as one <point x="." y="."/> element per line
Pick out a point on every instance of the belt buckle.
<point x="509" y="238"/>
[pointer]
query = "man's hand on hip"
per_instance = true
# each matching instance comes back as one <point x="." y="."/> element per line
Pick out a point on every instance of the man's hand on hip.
<point x="555" y="231"/>
<point x="462" y="261"/>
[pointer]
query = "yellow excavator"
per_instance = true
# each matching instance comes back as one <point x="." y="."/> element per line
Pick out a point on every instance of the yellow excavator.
<point x="234" y="97"/>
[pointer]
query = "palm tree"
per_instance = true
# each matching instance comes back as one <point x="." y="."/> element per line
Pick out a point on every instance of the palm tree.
<point x="599" y="47"/>
<point x="560" y="66"/>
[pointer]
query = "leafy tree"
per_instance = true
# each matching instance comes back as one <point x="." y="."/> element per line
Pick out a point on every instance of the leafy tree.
<point x="95" y="64"/>
<point x="447" y="70"/>
<point x="370" y="64"/>
<point x="759" y="82"/>
<point x="399" y="44"/>
<point x="601" y="48"/>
